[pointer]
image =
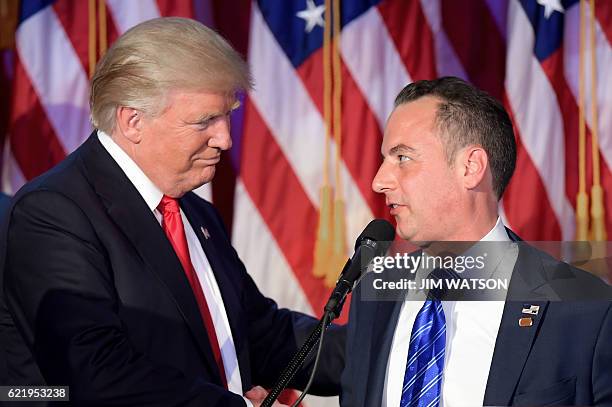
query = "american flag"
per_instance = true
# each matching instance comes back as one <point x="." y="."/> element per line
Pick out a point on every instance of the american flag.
<point x="523" y="52"/>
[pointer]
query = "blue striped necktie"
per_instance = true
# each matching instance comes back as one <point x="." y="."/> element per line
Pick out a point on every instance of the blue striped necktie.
<point x="422" y="385"/>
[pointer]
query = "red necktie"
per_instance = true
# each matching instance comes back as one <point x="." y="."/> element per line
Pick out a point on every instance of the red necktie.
<point x="173" y="227"/>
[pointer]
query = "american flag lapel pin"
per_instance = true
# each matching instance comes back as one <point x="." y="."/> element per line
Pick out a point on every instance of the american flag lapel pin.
<point x="530" y="309"/>
<point x="205" y="232"/>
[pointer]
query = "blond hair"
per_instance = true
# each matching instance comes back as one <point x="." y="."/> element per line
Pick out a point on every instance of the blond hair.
<point x="160" y="55"/>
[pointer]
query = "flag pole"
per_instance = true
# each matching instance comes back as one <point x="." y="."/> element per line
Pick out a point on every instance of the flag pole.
<point x="102" y="27"/>
<point x="323" y="244"/>
<point x="598" y="225"/>
<point x="582" y="199"/>
<point x="338" y="257"/>
<point x="92" y="36"/>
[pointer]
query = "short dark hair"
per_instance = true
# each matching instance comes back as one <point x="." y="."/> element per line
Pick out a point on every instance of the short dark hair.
<point x="466" y="116"/>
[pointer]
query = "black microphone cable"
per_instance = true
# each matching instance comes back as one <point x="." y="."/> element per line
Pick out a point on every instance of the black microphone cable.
<point x="374" y="240"/>
<point x="316" y="362"/>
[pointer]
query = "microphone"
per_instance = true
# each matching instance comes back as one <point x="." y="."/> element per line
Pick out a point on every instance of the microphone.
<point x="373" y="241"/>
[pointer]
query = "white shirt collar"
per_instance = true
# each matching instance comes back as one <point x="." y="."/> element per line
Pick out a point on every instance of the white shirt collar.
<point x="497" y="234"/>
<point x="494" y="252"/>
<point x="147" y="189"/>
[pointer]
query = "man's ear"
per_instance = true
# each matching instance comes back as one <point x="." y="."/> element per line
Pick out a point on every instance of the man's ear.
<point x="475" y="164"/>
<point x="129" y="123"/>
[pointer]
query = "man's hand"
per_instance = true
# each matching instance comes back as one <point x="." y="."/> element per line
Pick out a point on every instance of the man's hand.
<point x="257" y="395"/>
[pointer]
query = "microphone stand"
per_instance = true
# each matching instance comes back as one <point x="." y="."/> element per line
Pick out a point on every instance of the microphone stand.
<point x="332" y="311"/>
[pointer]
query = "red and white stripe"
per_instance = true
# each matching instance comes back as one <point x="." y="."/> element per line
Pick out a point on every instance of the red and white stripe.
<point x="51" y="91"/>
<point x="529" y="90"/>
<point x="380" y="55"/>
<point x="289" y="140"/>
<point x="488" y="42"/>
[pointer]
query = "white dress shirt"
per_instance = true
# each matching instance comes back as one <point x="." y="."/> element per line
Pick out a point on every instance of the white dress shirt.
<point x="152" y="196"/>
<point x="471" y="331"/>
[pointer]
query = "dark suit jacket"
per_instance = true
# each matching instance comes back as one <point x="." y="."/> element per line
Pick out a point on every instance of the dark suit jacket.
<point x="565" y="358"/>
<point x="100" y="297"/>
<point x="17" y="366"/>
<point x="4" y="206"/>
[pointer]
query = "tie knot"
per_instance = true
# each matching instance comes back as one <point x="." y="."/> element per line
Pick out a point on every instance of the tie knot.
<point x="168" y="205"/>
<point x="444" y="277"/>
<point x="444" y="274"/>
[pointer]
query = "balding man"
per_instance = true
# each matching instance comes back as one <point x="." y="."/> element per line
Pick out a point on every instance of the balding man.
<point x="448" y="154"/>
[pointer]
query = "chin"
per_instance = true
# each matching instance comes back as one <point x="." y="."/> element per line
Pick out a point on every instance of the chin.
<point x="411" y="234"/>
<point x="209" y="173"/>
<point x="404" y="234"/>
<point x="205" y="176"/>
<point x="193" y="183"/>
<point x="196" y="185"/>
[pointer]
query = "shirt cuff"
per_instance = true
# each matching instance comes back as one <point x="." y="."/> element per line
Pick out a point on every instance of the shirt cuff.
<point x="247" y="401"/>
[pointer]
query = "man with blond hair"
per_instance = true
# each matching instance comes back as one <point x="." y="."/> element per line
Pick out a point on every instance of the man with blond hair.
<point x="121" y="280"/>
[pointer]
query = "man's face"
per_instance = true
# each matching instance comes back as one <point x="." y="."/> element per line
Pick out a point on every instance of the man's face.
<point x="180" y="147"/>
<point x="422" y="192"/>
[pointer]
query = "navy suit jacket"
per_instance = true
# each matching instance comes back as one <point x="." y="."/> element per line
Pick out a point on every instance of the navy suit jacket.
<point x="565" y="358"/>
<point x="4" y="206"/>
<point x="102" y="302"/>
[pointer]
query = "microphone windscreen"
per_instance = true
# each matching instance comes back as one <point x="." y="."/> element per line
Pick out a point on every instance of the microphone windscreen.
<point x="378" y="230"/>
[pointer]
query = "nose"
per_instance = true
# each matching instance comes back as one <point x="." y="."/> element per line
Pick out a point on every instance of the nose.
<point x="383" y="180"/>
<point x="221" y="138"/>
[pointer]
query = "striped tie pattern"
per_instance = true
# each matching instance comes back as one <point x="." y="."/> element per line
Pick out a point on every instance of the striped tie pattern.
<point x="423" y="378"/>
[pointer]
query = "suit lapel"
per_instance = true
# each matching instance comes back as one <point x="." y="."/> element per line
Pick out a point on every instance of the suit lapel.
<point x="383" y="330"/>
<point x="384" y="324"/>
<point x="131" y="214"/>
<point x="215" y="253"/>
<point x="514" y="343"/>
<point x="512" y="348"/>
